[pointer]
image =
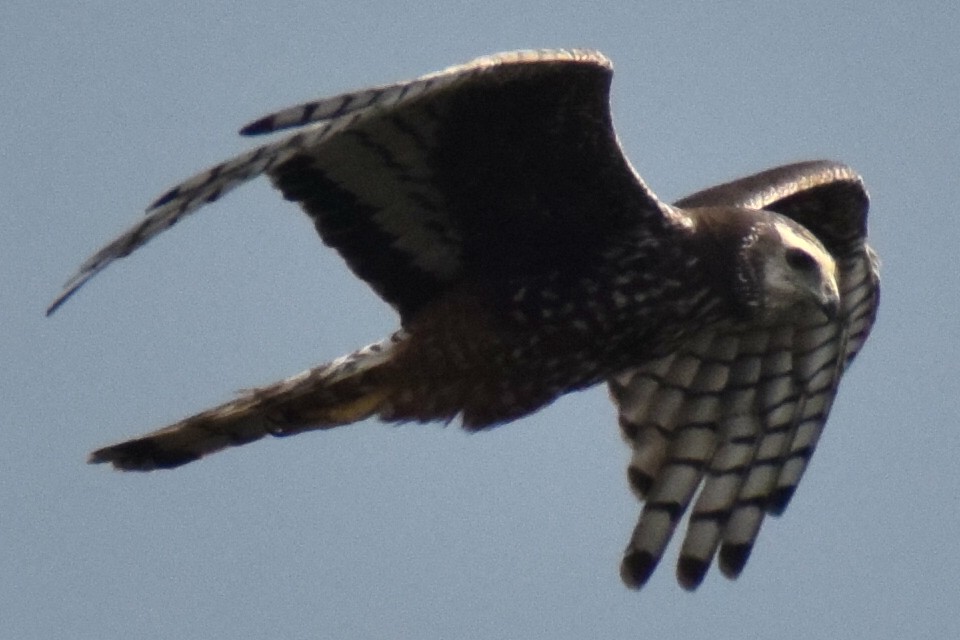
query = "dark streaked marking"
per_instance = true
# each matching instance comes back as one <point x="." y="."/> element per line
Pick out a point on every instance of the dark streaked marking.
<point x="273" y="122"/>
<point x="760" y="502"/>
<point x="674" y="510"/>
<point x="865" y="308"/>
<point x="308" y="112"/>
<point x="736" y="470"/>
<point x="213" y="196"/>
<point x="697" y="464"/>
<point x="665" y="432"/>
<point x="859" y="336"/>
<point x="165" y="198"/>
<point x="386" y="156"/>
<point x="713" y="515"/>
<point x="211" y="175"/>
<point x="398" y="122"/>
<point x="665" y="383"/>
<point x="345" y="103"/>
<point x="765" y="412"/>
<point x="801" y="353"/>
<point x="751" y="438"/>
<point x="297" y="140"/>
<point x="426" y="85"/>
<point x="639" y="480"/>
<point x="629" y="428"/>
<point x="804" y="453"/>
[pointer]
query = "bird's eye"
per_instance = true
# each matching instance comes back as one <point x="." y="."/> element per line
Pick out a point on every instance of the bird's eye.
<point x="800" y="260"/>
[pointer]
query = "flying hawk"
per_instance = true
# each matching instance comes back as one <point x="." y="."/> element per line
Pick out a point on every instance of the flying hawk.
<point x="491" y="205"/>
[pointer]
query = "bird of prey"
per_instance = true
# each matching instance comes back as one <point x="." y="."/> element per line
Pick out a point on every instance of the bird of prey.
<point x="491" y="205"/>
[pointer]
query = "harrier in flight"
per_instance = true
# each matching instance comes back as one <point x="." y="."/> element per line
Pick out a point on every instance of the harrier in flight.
<point x="492" y="206"/>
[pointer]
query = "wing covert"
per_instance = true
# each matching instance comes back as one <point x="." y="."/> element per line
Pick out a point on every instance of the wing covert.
<point x="826" y="197"/>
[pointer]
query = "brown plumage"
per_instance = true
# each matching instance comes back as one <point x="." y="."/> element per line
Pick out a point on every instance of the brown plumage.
<point x="491" y="206"/>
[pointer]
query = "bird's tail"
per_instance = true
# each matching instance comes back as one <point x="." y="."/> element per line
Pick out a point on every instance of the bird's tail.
<point x="337" y="393"/>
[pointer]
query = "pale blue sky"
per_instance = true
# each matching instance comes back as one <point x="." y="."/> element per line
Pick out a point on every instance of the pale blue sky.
<point x="420" y="531"/>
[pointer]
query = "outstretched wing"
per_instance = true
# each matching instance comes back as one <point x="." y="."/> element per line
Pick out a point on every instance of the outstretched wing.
<point x="503" y="166"/>
<point x="738" y="411"/>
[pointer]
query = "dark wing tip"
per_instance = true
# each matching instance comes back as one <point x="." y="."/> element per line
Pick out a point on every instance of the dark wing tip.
<point x="295" y="117"/>
<point x="779" y="500"/>
<point x="259" y="127"/>
<point x="60" y="299"/>
<point x="691" y="572"/>
<point x="733" y="558"/>
<point x="141" y="455"/>
<point x="72" y="286"/>
<point x="169" y="196"/>
<point x="637" y="567"/>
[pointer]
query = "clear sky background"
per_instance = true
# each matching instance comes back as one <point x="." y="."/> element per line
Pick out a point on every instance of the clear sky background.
<point x="422" y="531"/>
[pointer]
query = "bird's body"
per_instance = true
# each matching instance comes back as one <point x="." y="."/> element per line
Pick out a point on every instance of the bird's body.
<point x="491" y="206"/>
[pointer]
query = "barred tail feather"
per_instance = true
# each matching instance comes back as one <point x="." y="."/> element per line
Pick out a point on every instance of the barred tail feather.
<point x="334" y="394"/>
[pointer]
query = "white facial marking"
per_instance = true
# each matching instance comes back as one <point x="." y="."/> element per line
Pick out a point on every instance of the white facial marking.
<point x="785" y="285"/>
<point x="793" y="239"/>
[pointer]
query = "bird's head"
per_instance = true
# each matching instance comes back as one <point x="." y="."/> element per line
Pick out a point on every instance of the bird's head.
<point x="782" y="266"/>
<point x="770" y="265"/>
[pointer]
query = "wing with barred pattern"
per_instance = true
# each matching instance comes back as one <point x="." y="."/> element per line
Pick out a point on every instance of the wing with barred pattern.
<point x="738" y="411"/>
<point x="494" y="168"/>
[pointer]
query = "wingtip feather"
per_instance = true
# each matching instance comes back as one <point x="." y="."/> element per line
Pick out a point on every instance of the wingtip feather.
<point x="141" y="455"/>
<point x="637" y="567"/>
<point x="71" y="287"/>
<point x="259" y="127"/>
<point x="780" y="499"/>
<point x="733" y="558"/>
<point x="58" y="302"/>
<point x="691" y="571"/>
